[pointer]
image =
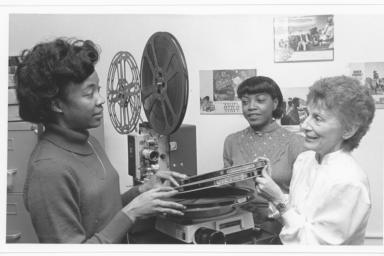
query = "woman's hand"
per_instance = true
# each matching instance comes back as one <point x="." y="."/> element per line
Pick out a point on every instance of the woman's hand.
<point x="266" y="187"/>
<point x="151" y="203"/>
<point x="161" y="179"/>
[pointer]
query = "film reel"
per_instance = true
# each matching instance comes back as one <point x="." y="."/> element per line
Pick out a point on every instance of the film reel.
<point x="164" y="78"/>
<point x="123" y="92"/>
<point x="214" y="201"/>
<point x="221" y="177"/>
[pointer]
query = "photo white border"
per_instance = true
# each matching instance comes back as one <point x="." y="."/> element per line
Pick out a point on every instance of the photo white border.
<point x="166" y="7"/>
<point x="298" y="56"/>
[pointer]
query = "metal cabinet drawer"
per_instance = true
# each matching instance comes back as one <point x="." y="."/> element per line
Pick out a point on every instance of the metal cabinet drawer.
<point x="22" y="137"/>
<point x="12" y="99"/>
<point x="19" y="225"/>
<point x="13" y="113"/>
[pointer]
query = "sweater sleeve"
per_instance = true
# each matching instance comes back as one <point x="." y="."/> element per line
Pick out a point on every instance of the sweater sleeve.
<point x="227" y="154"/>
<point x="129" y="195"/>
<point x="53" y="200"/>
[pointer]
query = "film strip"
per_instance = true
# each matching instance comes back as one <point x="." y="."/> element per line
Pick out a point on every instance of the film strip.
<point x="222" y="177"/>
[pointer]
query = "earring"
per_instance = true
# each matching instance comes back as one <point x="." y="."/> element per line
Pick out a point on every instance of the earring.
<point x="56" y="108"/>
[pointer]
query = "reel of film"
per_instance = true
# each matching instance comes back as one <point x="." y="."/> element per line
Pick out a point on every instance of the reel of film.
<point x="164" y="78"/>
<point x="123" y="92"/>
<point x="221" y="177"/>
<point x="211" y="194"/>
<point x="211" y="202"/>
<point x="161" y="87"/>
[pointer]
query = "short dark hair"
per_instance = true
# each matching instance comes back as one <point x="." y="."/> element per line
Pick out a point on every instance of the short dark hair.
<point x="263" y="84"/>
<point x="349" y="100"/>
<point x="46" y="70"/>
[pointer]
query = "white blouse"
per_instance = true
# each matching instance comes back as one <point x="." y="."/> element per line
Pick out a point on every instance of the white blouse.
<point x="329" y="202"/>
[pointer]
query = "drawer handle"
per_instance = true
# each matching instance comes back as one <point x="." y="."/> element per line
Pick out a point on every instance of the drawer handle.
<point x="13" y="238"/>
<point x="10" y="178"/>
<point x="12" y="171"/>
<point x="11" y="208"/>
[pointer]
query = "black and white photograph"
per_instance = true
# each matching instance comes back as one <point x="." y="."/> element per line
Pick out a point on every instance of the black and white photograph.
<point x="193" y="130"/>
<point x="218" y="90"/>
<point x="304" y="38"/>
<point x="295" y="107"/>
<point x="371" y="75"/>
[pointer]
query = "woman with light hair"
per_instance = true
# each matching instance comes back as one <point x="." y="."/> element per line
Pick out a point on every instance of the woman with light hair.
<point x="329" y="198"/>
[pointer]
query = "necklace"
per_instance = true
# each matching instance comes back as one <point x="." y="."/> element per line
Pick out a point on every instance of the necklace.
<point x="97" y="156"/>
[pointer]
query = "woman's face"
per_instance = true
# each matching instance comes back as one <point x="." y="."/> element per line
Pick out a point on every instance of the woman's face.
<point x="323" y="130"/>
<point x="258" y="108"/>
<point x="82" y="107"/>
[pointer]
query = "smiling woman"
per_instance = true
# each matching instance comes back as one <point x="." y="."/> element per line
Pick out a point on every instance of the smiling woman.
<point x="329" y="199"/>
<point x="323" y="131"/>
<point x="262" y="104"/>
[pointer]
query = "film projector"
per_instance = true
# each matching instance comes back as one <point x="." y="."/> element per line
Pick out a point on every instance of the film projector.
<point x="160" y="89"/>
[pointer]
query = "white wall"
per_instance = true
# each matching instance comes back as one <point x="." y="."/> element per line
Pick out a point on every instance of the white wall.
<point x="219" y="42"/>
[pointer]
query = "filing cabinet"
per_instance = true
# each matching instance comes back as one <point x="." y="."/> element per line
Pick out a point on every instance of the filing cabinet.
<point x="22" y="137"/>
<point x="19" y="225"/>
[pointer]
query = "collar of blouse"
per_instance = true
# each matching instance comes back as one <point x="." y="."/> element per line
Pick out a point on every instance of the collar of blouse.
<point x="267" y="129"/>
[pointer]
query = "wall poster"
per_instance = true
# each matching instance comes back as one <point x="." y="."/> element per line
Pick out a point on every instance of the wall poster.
<point x="371" y="75"/>
<point x="303" y="38"/>
<point x="218" y="90"/>
<point x="295" y="107"/>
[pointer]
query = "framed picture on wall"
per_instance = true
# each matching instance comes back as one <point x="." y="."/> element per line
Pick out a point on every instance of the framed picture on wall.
<point x="303" y="38"/>
<point x="295" y="107"/>
<point x="371" y="75"/>
<point x="218" y="90"/>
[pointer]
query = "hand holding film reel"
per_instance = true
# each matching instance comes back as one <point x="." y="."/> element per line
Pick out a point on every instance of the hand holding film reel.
<point x="151" y="203"/>
<point x="163" y="179"/>
<point x="267" y="187"/>
<point x="208" y="194"/>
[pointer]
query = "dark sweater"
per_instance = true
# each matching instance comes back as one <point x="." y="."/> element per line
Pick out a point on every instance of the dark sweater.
<point x="72" y="193"/>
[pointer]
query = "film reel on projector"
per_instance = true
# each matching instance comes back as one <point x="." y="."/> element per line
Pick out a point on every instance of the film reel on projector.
<point x="161" y="88"/>
<point x="123" y="92"/>
<point x="164" y="78"/>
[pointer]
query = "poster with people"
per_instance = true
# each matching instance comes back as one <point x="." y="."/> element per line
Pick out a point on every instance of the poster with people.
<point x="371" y="75"/>
<point x="295" y="107"/>
<point x="218" y="90"/>
<point x="304" y="38"/>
